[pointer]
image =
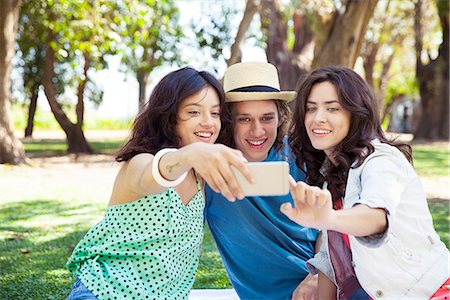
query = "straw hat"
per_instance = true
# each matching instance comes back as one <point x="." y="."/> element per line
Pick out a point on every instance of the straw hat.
<point x="254" y="81"/>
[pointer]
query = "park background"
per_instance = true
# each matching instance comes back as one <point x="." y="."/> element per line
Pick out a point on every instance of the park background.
<point x="74" y="74"/>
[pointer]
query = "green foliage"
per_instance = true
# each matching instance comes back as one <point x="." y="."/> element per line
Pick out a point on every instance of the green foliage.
<point x="150" y="32"/>
<point x="214" y="33"/>
<point x="81" y="34"/>
<point x="401" y="83"/>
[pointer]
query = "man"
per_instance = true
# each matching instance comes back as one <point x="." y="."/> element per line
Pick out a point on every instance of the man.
<point x="264" y="252"/>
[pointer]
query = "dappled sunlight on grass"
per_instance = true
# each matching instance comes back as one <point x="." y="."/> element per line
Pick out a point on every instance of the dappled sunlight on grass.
<point x="431" y="160"/>
<point x="211" y="273"/>
<point x="440" y="209"/>
<point x="59" y="146"/>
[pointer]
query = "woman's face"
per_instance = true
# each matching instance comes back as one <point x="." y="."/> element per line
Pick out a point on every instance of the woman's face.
<point x="327" y="123"/>
<point x="198" y="118"/>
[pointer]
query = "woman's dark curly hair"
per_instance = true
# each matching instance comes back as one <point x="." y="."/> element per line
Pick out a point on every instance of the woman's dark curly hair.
<point x="226" y="136"/>
<point x="154" y="127"/>
<point x="355" y="96"/>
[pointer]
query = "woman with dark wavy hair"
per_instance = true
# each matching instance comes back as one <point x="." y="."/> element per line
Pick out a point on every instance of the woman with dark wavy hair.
<point x="147" y="246"/>
<point x="378" y="236"/>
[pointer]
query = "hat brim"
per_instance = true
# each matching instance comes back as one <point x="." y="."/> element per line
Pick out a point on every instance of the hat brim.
<point x="254" y="96"/>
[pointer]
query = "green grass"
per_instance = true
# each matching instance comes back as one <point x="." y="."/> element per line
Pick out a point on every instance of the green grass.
<point x="58" y="147"/>
<point x="44" y="120"/>
<point x="431" y="160"/>
<point x="48" y="218"/>
<point x="440" y="210"/>
<point x="40" y="274"/>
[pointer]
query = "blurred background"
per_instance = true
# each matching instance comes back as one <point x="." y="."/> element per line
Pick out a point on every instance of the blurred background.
<point x="74" y="74"/>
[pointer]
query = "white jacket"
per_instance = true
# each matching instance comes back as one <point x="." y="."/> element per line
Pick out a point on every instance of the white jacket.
<point x="408" y="261"/>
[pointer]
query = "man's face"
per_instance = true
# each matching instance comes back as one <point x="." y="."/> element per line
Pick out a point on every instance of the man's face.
<point x="255" y="127"/>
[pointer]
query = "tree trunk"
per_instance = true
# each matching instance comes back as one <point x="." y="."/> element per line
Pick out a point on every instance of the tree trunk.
<point x="369" y="55"/>
<point x="433" y="81"/>
<point x="31" y="112"/>
<point x="341" y="44"/>
<point x="338" y="41"/>
<point x="76" y="140"/>
<point x="11" y="149"/>
<point x="250" y="10"/>
<point x="142" y="78"/>
<point x="277" y="51"/>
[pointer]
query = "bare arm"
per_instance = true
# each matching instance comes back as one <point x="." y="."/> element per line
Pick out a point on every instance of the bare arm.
<point x="313" y="208"/>
<point x="327" y="289"/>
<point x="211" y="161"/>
<point x="308" y="288"/>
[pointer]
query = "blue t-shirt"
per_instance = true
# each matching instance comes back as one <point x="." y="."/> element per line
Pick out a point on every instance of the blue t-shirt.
<point x="263" y="251"/>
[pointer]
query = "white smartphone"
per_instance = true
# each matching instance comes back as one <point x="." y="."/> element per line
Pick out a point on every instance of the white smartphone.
<point x="271" y="178"/>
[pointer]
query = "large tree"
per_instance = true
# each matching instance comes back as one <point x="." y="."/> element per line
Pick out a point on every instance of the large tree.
<point x="433" y="78"/>
<point x="387" y="43"/>
<point x="69" y="39"/>
<point x="30" y="58"/>
<point x="11" y="150"/>
<point x="150" y="31"/>
<point x="302" y="36"/>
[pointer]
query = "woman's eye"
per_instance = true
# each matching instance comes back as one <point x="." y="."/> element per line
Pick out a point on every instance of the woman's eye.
<point x="333" y="109"/>
<point x="194" y="112"/>
<point x="215" y="114"/>
<point x="310" y="108"/>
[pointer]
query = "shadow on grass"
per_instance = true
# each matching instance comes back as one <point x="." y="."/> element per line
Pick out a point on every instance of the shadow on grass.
<point x="440" y="210"/>
<point x="33" y="257"/>
<point x="429" y="160"/>
<point x="211" y="273"/>
<point x="25" y="210"/>
<point x="39" y="274"/>
<point x="58" y="147"/>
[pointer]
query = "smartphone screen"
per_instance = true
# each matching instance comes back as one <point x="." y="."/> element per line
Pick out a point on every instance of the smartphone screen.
<point x="271" y="178"/>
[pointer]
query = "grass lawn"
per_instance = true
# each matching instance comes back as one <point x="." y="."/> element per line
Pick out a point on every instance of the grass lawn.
<point x="46" y="210"/>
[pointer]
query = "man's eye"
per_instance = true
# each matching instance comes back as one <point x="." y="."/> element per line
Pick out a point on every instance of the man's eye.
<point x="244" y="120"/>
<point x="268" y="118"/>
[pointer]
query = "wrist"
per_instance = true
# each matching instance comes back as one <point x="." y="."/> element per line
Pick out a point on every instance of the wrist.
<point x="157" y="173"/>
<point x="186" y="154"/>
<point x="332" y="221"/>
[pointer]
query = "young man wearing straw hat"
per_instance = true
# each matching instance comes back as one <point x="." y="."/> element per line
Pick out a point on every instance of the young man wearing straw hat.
<point x="264" y="252"/>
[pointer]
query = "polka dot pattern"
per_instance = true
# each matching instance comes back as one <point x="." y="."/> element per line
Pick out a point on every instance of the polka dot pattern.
<point x="146" y="249"/>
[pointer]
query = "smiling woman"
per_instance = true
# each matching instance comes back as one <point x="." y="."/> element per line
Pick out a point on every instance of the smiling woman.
<point x="372" y="210"/>
<point x="147" y="243"/>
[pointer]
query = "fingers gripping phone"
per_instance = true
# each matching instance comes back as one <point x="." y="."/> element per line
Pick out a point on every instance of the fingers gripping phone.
<point x="271" y="179"/>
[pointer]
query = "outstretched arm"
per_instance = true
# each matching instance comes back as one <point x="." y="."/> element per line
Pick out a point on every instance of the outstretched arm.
<point x="211" y="161"/>
<point x="313" y="208"/>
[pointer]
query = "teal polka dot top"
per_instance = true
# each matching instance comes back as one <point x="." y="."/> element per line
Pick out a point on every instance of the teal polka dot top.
<point x="145" y="249"/>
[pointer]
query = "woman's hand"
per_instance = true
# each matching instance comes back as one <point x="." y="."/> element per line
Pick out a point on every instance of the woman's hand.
<point x="213" y="163"/>
<point x="313" y="206"/>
